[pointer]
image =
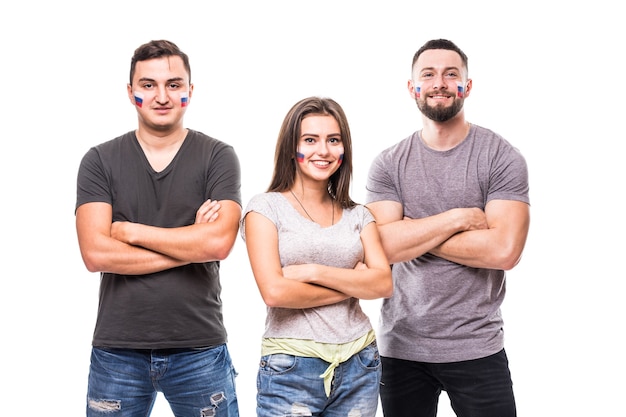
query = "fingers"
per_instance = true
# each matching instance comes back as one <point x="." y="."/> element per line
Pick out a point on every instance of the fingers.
<point x="208" y="211"/>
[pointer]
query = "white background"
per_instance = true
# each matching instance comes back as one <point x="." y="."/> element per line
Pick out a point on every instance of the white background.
<point x="548" y="77"/>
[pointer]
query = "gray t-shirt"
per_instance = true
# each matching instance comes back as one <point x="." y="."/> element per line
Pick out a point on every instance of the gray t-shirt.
<point x="301" y="241"/>
<point x="441" y="311"/>
<point x="178" y="307"/>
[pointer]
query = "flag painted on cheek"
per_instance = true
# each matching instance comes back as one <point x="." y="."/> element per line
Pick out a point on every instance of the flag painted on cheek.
<point x="460" y="91"/>
<point x="184" y="99"/>
<point x="138" y="99"/>
<point x="340" y="159"/>
<point x="300" y="157"/>
<point x="418" y="90"/>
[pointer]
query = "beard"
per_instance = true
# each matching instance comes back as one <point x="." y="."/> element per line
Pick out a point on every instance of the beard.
<point x="439" y="113"/>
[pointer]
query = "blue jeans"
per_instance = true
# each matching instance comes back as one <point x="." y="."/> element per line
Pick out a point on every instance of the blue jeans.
<point x="195" y="382"/>
<point x="477" y="388"/>
<point x="290" y="386"/>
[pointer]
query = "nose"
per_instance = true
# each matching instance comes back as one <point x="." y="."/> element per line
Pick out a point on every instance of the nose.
<point x="161" y="95"/>
<point x="322" y="148"/>
<point x="439" y="82"/>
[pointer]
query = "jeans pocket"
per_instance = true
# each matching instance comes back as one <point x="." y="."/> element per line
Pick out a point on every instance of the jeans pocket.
<point x="369" y="356"/>
<point x="278" y="363"/>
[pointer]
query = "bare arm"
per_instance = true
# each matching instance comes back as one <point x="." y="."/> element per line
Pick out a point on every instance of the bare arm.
<point x="276" y="290"/>
<point x="103" y="253"/>
<point x="500" y="246"/>
<point x="405" y="239"/>
<point x="368" y="280"/>
<point x="202" y="241"/>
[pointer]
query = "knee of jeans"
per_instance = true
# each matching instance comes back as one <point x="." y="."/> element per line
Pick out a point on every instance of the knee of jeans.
<point x="216" y="399"/>
<point x="105" y="406"/>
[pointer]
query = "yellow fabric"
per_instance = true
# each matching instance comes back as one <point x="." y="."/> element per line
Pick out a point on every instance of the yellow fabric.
<point x="331" y="353"/>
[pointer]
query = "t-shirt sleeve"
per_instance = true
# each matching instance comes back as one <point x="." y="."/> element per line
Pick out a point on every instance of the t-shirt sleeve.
<point x="225" y="175"/>
<point x="261" y="204"/>
<point x="380" y="185"/>
<point x="92" y="185"/>
<point x="509" y="178"/>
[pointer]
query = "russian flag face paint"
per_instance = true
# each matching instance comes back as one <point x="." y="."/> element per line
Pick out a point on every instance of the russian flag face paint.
<point x="418" y="90"/>
<point x="184" y="99"/>
<point x="138" y="99"/>
<point x="460" y="90"/>
<point x="299" y="157"/>
<point x="340" y="159"/>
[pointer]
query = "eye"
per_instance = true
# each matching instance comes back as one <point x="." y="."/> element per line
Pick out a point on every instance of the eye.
<point x="335" y="140"/>
<point x="147" y="85"/>
<point x="308" y="139"/>
<point x="174" y="86"/>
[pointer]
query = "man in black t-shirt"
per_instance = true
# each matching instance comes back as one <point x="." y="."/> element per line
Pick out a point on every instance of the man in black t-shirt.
<point x="157" y="210"/>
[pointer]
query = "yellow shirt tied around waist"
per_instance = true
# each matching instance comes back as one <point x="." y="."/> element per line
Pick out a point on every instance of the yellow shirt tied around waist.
<point x="332" y="353"/>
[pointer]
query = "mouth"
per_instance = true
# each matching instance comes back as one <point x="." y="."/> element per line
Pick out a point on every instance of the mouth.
<point x="321" y="164"/>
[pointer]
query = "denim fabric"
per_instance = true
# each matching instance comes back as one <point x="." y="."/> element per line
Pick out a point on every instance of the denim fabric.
<point x="290" y="385"/>
<point x="477" y="388"/>
<point x="195" y="382"/>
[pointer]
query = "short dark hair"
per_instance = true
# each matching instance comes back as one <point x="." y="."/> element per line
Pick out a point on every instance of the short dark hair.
<point x="157" y="49"/>
<point x="287" y="144"/>
<point x="440" y="44"/>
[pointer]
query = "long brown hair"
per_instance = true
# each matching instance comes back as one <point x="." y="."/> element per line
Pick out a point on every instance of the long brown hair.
<point x="287" y="144"/>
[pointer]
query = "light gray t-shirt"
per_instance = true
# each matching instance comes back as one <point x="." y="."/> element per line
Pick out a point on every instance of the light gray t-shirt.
<point x="441" y="311"/>
<point x="302" y="241"/>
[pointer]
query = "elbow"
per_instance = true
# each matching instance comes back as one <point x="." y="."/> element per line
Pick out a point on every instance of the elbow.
<point x="387" y="289"/>
<point x="508" y="259"/>
<point x="510" y="262"/>
<point x="92" y="262"/>
<point x="217" y="252"/>
<point x="272" y="298"/>
<point x="383" y="289"/>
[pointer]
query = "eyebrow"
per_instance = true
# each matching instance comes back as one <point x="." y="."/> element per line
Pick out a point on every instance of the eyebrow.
<point x="317" y="136"/>
<point x="445" y="69"/>
<point x="167" y="81"/>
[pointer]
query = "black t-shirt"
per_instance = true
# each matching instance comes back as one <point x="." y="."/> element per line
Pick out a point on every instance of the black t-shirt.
<point x="179" y="307"/>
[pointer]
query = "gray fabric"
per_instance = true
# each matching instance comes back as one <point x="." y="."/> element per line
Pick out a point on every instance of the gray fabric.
<point x="302" y="241"/>
<point x="441" y="311"/>
<point x="179" y="307"/>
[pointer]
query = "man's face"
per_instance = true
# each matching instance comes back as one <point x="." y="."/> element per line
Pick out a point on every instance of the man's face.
<point x="160" y="92"/>
<point x="439" y="84"/>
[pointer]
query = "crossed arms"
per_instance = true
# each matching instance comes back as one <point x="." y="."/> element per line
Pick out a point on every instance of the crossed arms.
<point x="491" y="239"/>
<point x="313" y="285"/>
<point x="133" y="248"/>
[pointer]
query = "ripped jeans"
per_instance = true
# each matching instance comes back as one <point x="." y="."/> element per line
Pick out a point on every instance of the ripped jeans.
<point x="291" y="386"/>
<point x="195" y="382"/>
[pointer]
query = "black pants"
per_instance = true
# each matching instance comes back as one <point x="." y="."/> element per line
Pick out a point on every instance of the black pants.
<point x="477" y="388"/>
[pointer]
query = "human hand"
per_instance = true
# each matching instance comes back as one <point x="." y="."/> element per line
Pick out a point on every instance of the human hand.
<point x="302" y="273"/>
<point x="208" y="212"/>
<point x="473" y="218"/>
<point x="360" y="265"/>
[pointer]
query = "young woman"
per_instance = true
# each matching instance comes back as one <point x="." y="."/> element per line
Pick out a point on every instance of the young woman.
<point x="314" y="253"/>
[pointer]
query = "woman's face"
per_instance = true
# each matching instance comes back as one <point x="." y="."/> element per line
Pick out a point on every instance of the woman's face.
<point x="320" y="147"/>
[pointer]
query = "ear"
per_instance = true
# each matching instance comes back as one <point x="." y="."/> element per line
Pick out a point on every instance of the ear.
<point x="411" y="88"/>
<point x="468" y="87"/>
<point x="129" y="91"/>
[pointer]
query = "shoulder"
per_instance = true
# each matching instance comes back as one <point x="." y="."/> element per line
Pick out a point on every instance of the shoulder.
<point x="360" y="214"/>
<point x="264" y="202"/>
<point x="202" y="138"/>
<point x="120" y="141"/>
<point x="400" y="147"/>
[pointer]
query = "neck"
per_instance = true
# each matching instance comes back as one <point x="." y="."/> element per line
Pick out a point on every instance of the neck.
<point x="444" y="136"/>
<point x="154" y="139"/>
<point x="314" y="203"/>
